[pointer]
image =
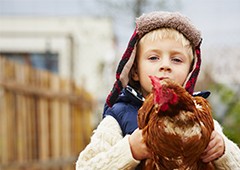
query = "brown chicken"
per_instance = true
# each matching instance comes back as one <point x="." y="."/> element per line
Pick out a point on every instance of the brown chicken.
<point x="176" y="127"/>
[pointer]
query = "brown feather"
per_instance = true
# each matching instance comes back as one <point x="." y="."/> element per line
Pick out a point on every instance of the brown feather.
<point x="178" y="136"/>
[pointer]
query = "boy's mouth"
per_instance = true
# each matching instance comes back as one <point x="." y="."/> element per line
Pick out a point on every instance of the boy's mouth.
<point x="162" y="78"/>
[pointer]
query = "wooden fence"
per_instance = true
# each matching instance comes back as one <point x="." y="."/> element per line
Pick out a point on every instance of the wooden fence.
<point x="44" y="120"/>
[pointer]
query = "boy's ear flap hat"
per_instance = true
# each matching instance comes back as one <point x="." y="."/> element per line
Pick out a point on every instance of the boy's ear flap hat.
<point x="145" y="24"/>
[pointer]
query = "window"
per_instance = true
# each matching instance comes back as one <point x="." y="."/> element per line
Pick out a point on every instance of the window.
<point x="47" y="61"/>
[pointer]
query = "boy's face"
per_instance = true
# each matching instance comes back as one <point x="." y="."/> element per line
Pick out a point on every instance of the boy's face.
<point x="164" y="58"/>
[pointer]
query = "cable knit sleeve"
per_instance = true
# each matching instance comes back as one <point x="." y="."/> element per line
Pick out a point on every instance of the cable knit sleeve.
<point x="230" y="160"/>
<point x="107" y="149"/>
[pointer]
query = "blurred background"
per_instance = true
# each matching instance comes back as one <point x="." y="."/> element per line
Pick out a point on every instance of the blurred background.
<point x="58" y="61"/>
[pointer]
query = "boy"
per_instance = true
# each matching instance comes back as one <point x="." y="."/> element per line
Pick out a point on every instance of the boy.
<point x="165" y="45"/>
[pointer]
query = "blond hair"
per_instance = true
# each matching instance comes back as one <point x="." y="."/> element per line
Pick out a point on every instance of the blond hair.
<point x="165" y="33"/>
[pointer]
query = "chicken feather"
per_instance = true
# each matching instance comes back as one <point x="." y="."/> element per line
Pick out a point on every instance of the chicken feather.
<point x="176" y="127"/>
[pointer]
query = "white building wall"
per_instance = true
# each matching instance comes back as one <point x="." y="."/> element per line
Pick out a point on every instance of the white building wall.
<point x="82" y="43"/>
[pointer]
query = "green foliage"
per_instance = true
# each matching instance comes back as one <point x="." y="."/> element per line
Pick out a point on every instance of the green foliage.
<point x="225" y="93"/>
<point x="232" y="122"/>
<point x="231" y="119"/>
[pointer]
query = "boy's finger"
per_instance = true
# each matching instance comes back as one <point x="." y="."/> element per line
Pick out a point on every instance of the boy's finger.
<point x="210" y="146"/>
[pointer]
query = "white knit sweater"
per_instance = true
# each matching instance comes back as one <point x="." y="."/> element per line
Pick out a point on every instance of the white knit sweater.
<point x="109" y="150"/>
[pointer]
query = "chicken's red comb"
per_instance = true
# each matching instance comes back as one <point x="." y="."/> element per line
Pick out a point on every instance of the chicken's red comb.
<point x="162" y="95"/>
<point x="157" y="89"/>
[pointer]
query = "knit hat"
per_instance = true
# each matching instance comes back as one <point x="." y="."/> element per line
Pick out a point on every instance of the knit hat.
<point x="145" y="24"/>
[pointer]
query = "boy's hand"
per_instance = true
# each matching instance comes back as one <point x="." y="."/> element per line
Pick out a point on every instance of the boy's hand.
<point x="215" y="148"/>
<point x="138" y="147"/>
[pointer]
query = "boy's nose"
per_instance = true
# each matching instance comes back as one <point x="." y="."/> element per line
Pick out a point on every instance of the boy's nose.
<point x="165" y="66"/>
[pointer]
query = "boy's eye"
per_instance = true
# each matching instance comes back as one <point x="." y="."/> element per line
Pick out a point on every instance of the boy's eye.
<point x="177" y="60"/>
<point x="153" y="58"/>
